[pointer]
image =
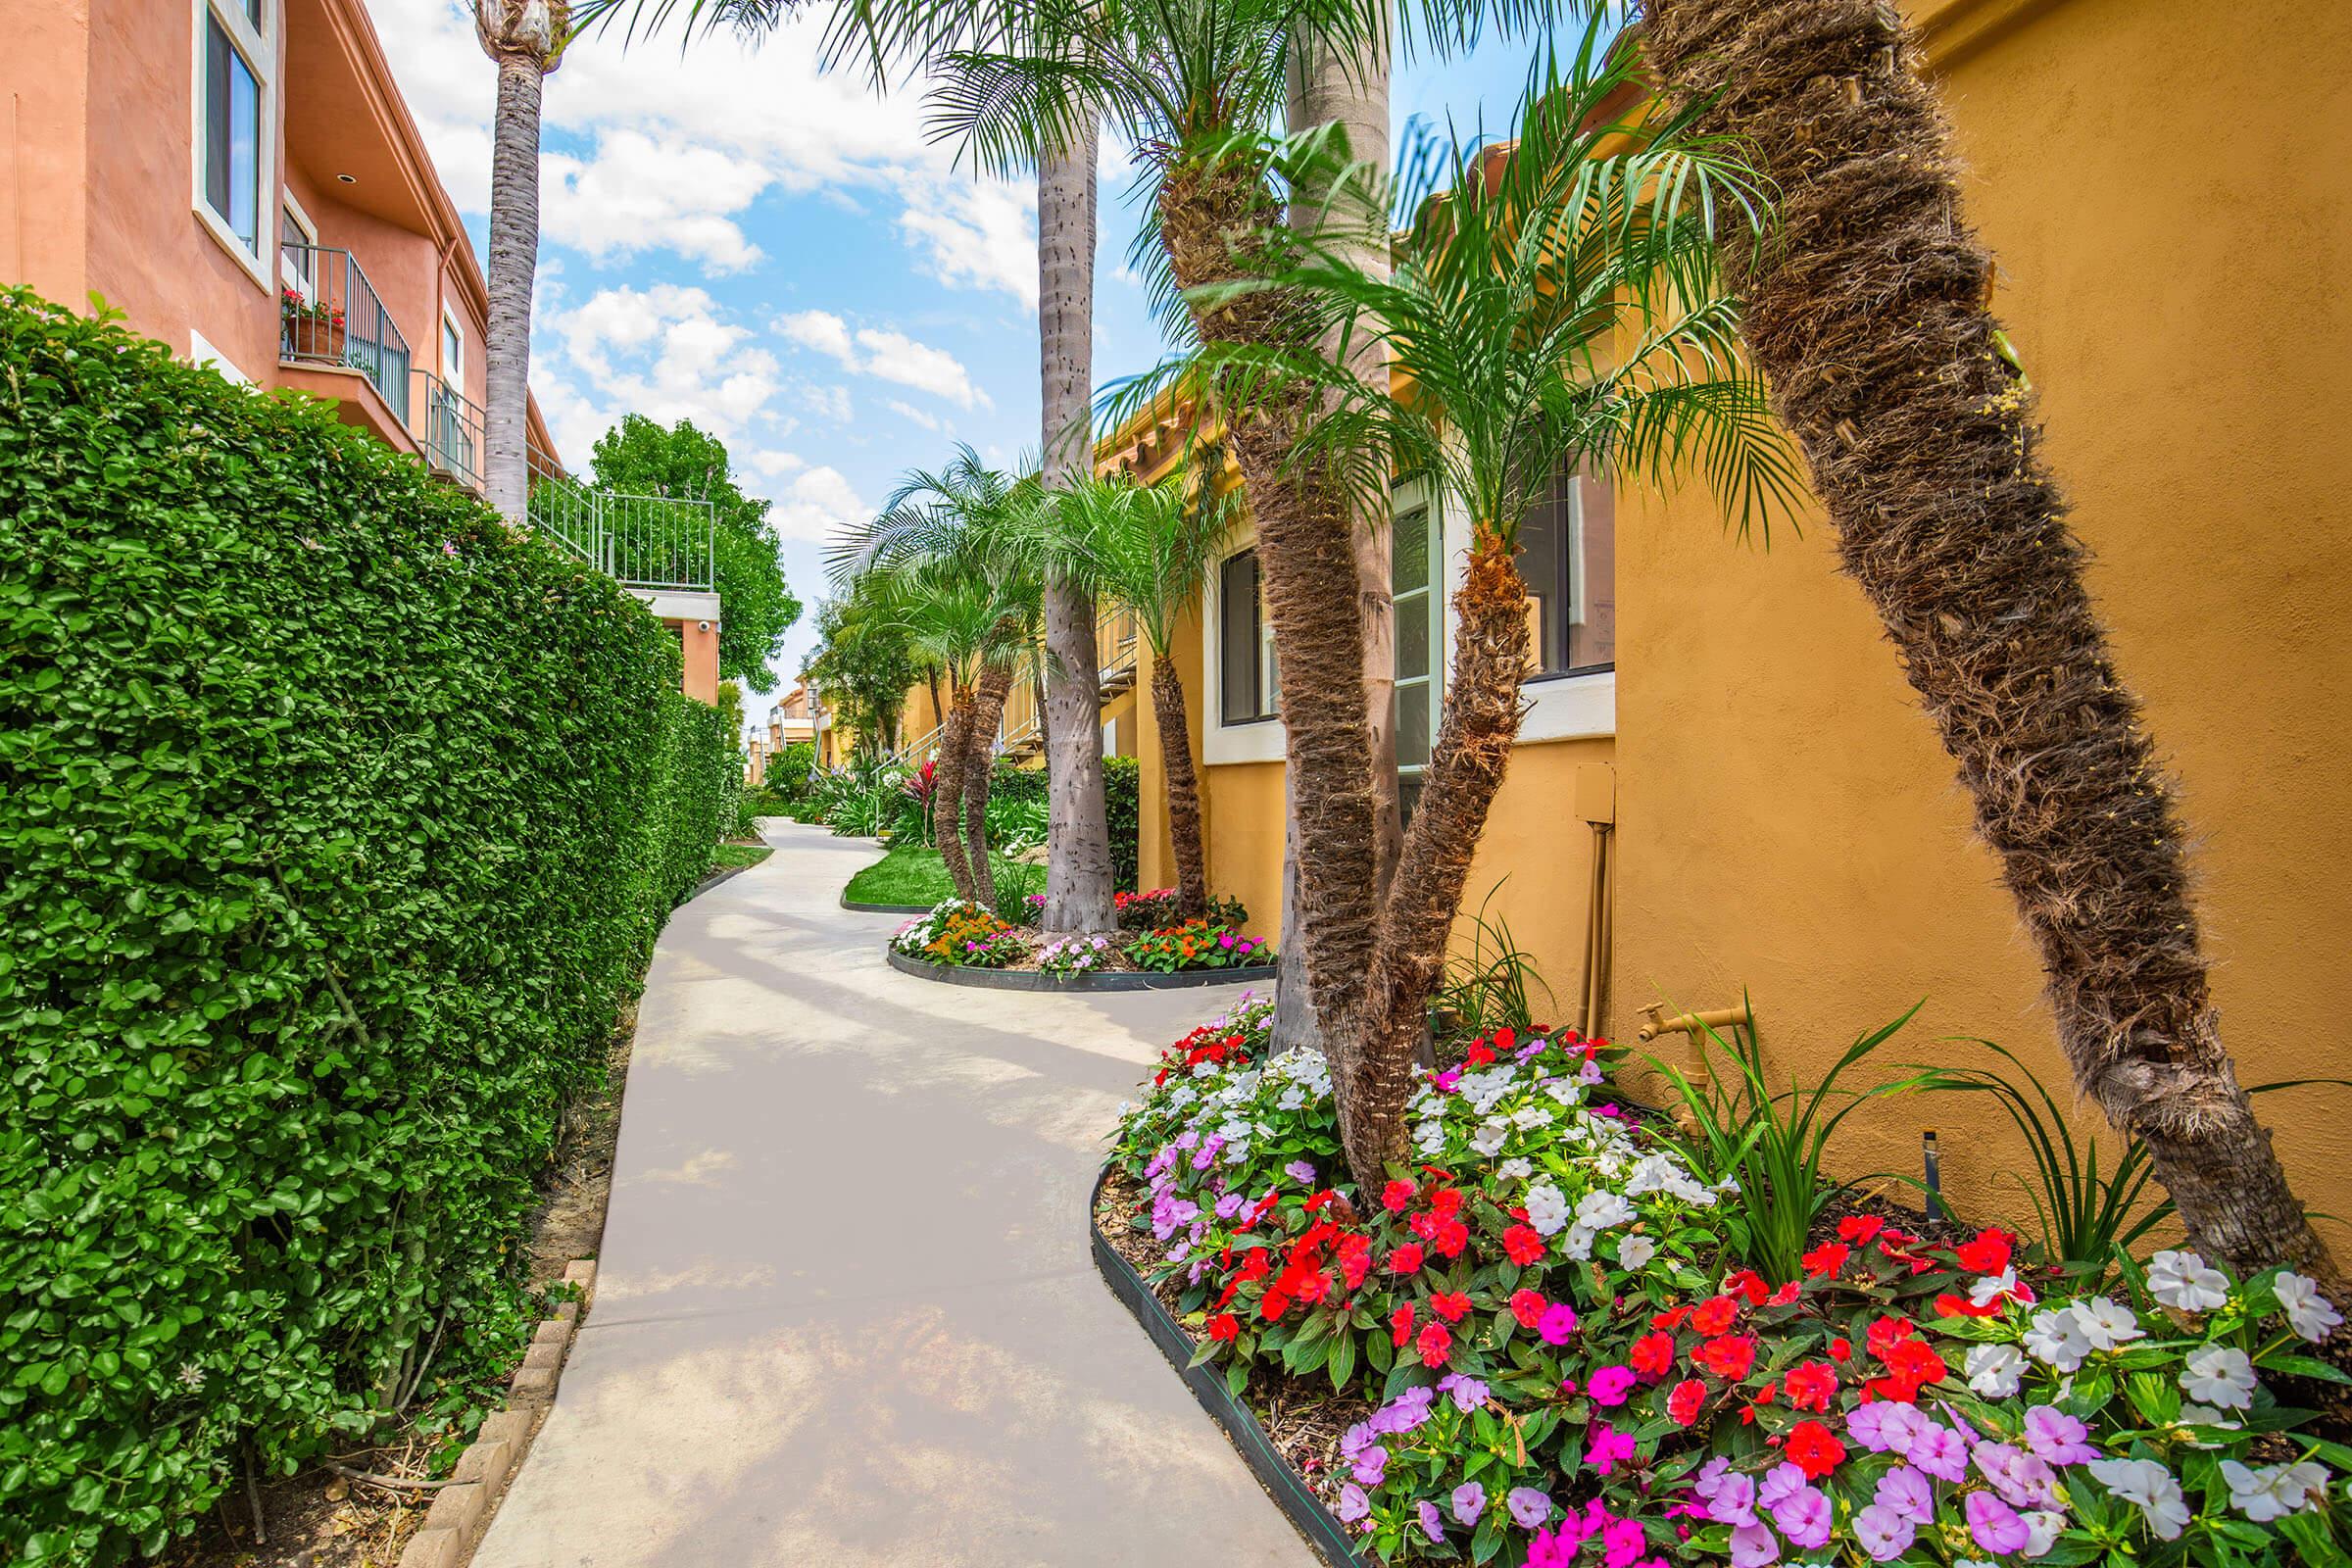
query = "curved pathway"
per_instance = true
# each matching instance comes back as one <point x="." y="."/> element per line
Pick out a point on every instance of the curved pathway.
<point x="845" y="1309"/>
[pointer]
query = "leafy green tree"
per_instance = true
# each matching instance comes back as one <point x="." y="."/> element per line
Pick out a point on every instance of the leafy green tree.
<point x="642" y="456"/>
<point x="865" y="662"/>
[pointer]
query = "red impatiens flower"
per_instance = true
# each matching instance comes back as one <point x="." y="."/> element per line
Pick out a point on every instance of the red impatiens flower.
<point x="1479" y="1054"/>
<point x="1811" y="1386"/>
<point x="1452" y="1305"/>
<point x="1653" y="1355"/>
<point x="1859" y="1228"/>
<point x="1785" y="1295"/>
<point x="1355" y="1259"/>
<point x="1841" y="1349"/>
<point x="1814" y="1449"/>
<point x="1683" y="1403"/>
<point x="1407" y="1259"/>
<point x="1949" y="1305"/>
<point x="1886" y="1333"/>
<point x="1397" y="1197"/>
<point x="1748" y="1283"/>
<point x="1824" y="1261"/>
<point x="1672" y="1319"/>
<point x="1911" y="1365"/>
<point x="1714" y="1314"/>
<point x="1522" y="1244"/>
<point x="1435" y="1344"/>
<point x="1528" y="1307"/>
<point x="1225" y="1328"/>
<point x="1506" y="1039"/>
<point x="1730" y="1357"/>
<point x="1988" y="1254"/>
<point x="1451" y="1237"/>
<point x="1445" y="1201"/>
<point x="1400" y="1325"/>
<point x="1273" y="1304"/>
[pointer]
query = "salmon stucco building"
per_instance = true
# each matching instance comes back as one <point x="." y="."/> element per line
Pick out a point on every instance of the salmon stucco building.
<point x="1723" y="785"/>
<point x="242" y="181"/>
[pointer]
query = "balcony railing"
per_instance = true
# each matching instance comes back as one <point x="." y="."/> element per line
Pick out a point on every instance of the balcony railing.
<point x="329" y="314"/>
<point x="650" y="542"/>
<point x="450" y="431"/>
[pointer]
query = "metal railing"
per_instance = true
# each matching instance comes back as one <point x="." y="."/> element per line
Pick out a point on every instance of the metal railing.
<point x="448" y="431"/>
<point x="649" y="542"/>
<point x="331" y="314"/>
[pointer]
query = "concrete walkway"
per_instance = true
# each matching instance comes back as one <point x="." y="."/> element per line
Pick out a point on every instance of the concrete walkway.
<point x="845" y="1309"/>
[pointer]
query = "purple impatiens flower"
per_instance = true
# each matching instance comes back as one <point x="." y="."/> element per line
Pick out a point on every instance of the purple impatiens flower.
<point x="1469" y="1502"/>
<point x="1298" y="1170"/>
<point x="2057" y="1437"/>
<point x="1433" y="1524"/>
<point x="1529" y="1506"/>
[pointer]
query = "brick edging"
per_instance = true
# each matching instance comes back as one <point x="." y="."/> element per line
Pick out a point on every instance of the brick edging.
<point x="462" y="1509"/>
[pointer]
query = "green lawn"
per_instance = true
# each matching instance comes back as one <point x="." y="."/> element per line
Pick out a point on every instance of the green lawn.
<point x="913" y="873"/>
<point x="735" y="856"/>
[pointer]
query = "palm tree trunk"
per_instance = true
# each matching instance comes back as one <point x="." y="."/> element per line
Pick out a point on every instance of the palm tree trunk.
<point x="947" y="796"/>
<point x="1184" y="786"/>
<point x="1351" y="91"/>
<point x="1473" y="747"/>
<point x="1868" y="314"/>
<point x="1078" y="868"/>
<point x="512" y="270"/>
<point x="979" y="756"/>
<point x="1207" y="217"/>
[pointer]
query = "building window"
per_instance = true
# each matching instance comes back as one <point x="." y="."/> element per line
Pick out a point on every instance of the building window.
<point x="453" y="353"/>
<point x="1245" y="644"/>
<point x="234" y="62"/>
<point x="1414" y="584"/>
<point x="1568" y="555"/>
<point x="298" y="250"/>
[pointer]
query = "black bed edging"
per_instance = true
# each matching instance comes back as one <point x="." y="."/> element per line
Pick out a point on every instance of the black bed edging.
<point x="1108" y="980"/>
<point x="1293" y="1495"/>
<point x="849" y="903"/>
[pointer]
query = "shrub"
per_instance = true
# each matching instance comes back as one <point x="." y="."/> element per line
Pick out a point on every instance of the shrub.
<point x="1197" y="945"/>
<point x="1122" y="781"/>
<point x="789" y="770"/>
<point x="338" y="821"/>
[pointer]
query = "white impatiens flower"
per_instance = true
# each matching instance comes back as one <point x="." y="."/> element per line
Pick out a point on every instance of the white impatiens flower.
<point x="2219" y="1374"/>
<point x="2275" y="1490"/>
<point x="2308" y="1313"/>
<point x="1492" y="1135"/>
<point x="1514" y="1170"/>
<point x="1564" y="1091"/>
<point x="2056" y="1340"/>
<point x="2149" y="1486"/>
<point x="1578" y="1243"/>
<point x="2043" y="1526"/>
<point x="1529" y="1117"/>
<point x="2193" y="1414"/>
<point x="2106" y="1323"/>
<point x="1599" y="1210"/>
<point x="1546" y="1209"/>
<point x="1995" y="1370"/>
<point x="1634" y="1250"/>
<point x="2184" y="1282"/>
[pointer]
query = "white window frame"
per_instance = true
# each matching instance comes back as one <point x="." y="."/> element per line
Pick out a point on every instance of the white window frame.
<point x="451" y="325"/>
<point x="1559" y="707"/>
<point x="258" y="46"/>
<point x="307" y="287"/>
<point x="1256" y="740"/>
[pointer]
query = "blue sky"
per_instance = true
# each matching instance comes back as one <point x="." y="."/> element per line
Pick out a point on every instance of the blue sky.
<point x="782" y="256"/>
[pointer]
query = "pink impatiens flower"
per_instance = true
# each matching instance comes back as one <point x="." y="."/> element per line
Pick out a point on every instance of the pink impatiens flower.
<point x="1610" y="1385"/>
<point x="1609" y="1446"/>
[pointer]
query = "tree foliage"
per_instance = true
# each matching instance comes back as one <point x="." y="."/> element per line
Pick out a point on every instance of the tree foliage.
<point x="757" y="606"/>
<point x="336" y="825"/>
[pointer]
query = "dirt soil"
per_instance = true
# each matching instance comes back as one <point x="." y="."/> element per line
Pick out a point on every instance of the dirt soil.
<point x="318" y="1518"/>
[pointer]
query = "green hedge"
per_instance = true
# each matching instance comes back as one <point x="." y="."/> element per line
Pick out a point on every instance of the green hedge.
<point x="336" y="823"/>
<point x="1122" y="807"/>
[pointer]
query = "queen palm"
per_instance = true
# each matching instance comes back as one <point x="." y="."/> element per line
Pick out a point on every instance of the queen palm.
<point x="1555" y="311"/>
<point x="1870" y="319"/>
<point x="525" y="38"/>
<point x="945" y="548"/>
<point x="1149" y="548"/>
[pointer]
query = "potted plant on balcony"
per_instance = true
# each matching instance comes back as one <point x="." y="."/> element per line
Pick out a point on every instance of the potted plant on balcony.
<point x="314" y="328"/>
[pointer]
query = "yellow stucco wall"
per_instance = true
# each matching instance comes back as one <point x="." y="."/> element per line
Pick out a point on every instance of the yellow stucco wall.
<point x="2163" y="185"/>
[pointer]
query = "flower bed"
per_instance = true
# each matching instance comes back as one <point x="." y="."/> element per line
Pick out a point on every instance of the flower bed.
<point x="1561" y="1358"/>
<point x="961" y="935"/>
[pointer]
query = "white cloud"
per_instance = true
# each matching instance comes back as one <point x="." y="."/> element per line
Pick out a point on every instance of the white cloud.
<point x="663" y="351"/>
<point x="915" y="415"/>
<point x="817" y="505"/>
<point x="655" y="148"/>
<point x="883" y="354"/>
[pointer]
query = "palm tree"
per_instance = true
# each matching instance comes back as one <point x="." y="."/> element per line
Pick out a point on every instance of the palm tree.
<point x="1149" y="548"/>
<point x="1554" y="311"/>
<point x="1869" y="317"/>
<point x="525" y="38"/>
<point x="945" y="550"/>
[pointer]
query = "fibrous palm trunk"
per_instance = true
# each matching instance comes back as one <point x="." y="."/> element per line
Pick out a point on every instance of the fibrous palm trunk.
<point x="1184" y="786"/>
<point x="1078" y="868"/>
<point x="1868" y="314"/>
<point x="947" y="795"/>
<point x="523" y="37"/>
<point x="979" y="756"/>
<point x="1466" y="766"/>
<point x="1210" y="215"/>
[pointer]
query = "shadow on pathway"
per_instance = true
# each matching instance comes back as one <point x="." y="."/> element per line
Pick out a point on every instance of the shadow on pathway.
<point x="845" y="1309"/>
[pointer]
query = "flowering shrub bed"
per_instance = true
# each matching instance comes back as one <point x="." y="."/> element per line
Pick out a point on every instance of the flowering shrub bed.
<point x="1149" y="911"/>
<point x="963" y="934"/>
<point x="1077" y="955"/>
<point x="1562" y="1359"/>
<point x="1197" y="945"/>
